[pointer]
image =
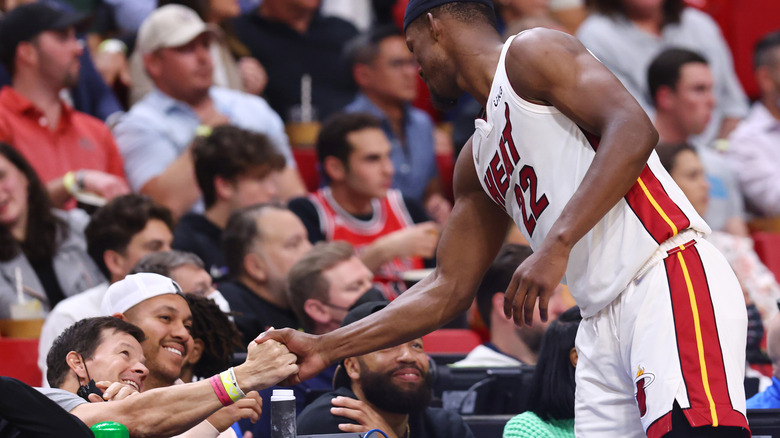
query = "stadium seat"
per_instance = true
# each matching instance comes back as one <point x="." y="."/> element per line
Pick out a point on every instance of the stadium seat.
<point x="451" y="341"/>
<point x="307" y="167"/>
<point x="767" y="246"/>
<point x="20" y="360"/>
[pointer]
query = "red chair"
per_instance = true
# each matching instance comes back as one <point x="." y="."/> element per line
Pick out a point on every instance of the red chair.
<point x="307" y="167"/>
<point x="451" y="341"/>
<point x="20" y="360"/>
<point x="767" y="246"/>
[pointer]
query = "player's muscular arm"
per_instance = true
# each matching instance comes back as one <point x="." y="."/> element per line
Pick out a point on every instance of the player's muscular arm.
<point x="554" y="68"/>
<point x="469" y="243"/>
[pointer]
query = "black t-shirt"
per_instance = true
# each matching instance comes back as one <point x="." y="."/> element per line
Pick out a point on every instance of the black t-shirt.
<point x="196" y="234"/>
<point x="431" y="423"/>
<point x="254" y="315"/>
<point x="307" y="212"/>
<point x="287" y="55"/>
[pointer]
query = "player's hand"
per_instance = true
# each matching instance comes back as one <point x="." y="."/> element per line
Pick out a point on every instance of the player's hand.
<point x="253" y="75"/>
<point x="417" y="241"/>
<point x="104" y="184"/>
<point x="360" y="412"/>
<point x="250" y="407"/>
<point x="311" y="361"/>
<point x="266" y="365"/>
<point x="535" y="278"/>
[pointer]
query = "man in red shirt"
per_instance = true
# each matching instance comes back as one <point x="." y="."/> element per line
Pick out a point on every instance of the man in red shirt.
<point x="70" y="150"/>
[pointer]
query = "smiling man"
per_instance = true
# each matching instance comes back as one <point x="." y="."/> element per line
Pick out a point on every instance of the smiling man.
<point x="388" y="389"/>
<point x="106" y="353"/>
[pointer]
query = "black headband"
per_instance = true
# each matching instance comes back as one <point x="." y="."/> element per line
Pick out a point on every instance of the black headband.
<point x="415" y="8"/>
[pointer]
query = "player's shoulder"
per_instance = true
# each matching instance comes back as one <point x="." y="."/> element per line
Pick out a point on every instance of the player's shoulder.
<point x="540" y="40"/>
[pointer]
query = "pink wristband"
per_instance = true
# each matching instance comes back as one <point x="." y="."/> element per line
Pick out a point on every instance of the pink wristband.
<point x="222" y="395"/>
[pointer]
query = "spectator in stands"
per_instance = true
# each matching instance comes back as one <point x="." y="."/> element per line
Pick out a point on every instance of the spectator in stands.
<point x="681" y="85"/>
<point x="261" y="243"/>
<point x="386" y="74"/>
<point x="234" y="169"/>
<point x="292" y="39"/>
<point x="324" y="285"/>
<point x="388" y="390"/>
<point x="390" y="232"/>
<point x="106" y="351"/>
<point x="759" y="286"/>
<point x="770" y="397"/>
<point x="754" y="143"/>
<point x="215" y="339"/>
<point x="70" y="151"/>
<point x="552" y="388"/>
<point x="509" y="345"/>
<point x="627" y="34"/>
<point x="234" y="68"/>
<point x="155" y="136"/>
<point x="187" y="270"/>
<point x="118" y="235"/>
<point x="42" y="251"/>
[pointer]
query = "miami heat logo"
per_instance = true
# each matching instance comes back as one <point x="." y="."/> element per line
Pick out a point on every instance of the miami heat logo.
<point x="642" y="381"/>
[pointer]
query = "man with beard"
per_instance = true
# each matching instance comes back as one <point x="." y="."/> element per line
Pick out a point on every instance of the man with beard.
<point x="509" y="345"/>
<point x="566" y="153"/>
<point x="388" y="389"/>
<point x="70" y="150"/>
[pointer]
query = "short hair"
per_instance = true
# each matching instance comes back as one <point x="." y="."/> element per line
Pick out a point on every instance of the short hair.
<point x="219" y="335"/>
<point x="332" y="139"/>
<point x="306" y="280"/>
<point x="498" y="276"/>
<point x="241" y="234"/>
<point x="665" y="68"/>
<point x="231" y="152"/>
<point x="764" y="51"/>
<point x="470" y="13"/>
<point x="114" y="225"/>
<point x="83" y="337"/>
<point x="614" y="8"/>
<point x="364" y="48"/>
<point x="164" y="262"/>
<point x="668" y="152"/>
<point x="552" y="388"/>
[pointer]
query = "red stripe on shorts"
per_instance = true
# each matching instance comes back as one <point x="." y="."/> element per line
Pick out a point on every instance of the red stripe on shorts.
<point x="698" y="344"/>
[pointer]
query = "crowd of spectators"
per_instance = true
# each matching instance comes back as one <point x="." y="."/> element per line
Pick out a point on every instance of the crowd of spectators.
<point x="153" y="206"/>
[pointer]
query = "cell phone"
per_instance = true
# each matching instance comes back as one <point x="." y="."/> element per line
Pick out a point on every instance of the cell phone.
<point x="90" y="388"/>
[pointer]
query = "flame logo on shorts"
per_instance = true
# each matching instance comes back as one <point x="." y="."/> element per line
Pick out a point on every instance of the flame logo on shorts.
<point x="642" y="381"/>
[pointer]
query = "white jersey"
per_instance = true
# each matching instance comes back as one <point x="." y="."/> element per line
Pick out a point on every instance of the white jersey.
<point x="531" y="158"/>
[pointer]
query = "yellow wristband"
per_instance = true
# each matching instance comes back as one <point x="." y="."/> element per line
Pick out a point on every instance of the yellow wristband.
<point x="231" y="387"/>
<point x="203" y="131"/>
<point x="69" y="182"/>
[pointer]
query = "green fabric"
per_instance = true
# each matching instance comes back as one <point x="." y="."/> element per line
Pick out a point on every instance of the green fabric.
<point x="529" y="425"/>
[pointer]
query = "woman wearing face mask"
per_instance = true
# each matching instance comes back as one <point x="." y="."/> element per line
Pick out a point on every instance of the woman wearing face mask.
<point x="42" y="251"/>
<point x="758" y="283"/>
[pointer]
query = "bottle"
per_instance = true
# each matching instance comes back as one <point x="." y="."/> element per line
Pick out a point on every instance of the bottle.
<point x="110" y="429"/>
<point x="283" y="414"/>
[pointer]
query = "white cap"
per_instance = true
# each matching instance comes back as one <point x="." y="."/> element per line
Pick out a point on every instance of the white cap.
<point x="169" y="26"/>
<point x="134" y="289"/>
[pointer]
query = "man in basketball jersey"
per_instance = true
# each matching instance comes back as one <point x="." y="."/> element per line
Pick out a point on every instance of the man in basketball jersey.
<point x="390" y="232"/>
<point x="566" y="152"/>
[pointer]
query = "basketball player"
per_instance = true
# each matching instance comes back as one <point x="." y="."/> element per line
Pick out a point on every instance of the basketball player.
<point x="566" y="152"/>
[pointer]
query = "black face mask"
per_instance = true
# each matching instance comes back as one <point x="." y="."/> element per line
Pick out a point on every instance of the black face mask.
<point x="90" y="388"/>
